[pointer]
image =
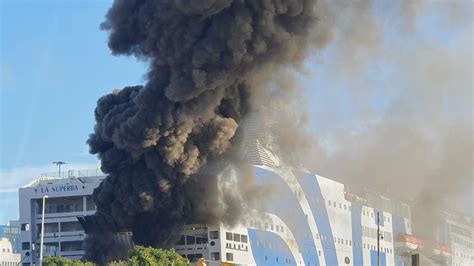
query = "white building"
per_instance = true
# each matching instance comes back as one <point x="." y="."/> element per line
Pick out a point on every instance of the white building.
<point x="69" y="196"/>
<point x="7" y="257"/>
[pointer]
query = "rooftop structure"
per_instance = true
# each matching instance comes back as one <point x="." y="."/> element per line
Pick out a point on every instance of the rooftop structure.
<point x="7" y="255"/>
<point x="69" y="196"/>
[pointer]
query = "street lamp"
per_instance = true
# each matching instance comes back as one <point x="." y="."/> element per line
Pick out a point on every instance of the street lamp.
<point x="42" y="229"/>
<point x="59" y="163"/>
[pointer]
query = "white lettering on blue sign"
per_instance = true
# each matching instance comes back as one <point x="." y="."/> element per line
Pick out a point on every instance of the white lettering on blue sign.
<point x="65" y="188"/>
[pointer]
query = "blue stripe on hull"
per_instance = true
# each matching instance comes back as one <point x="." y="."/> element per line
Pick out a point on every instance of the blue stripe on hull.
<point x="277" y="254"/>
<point x="398" y="224"/>
<point x="373" y="258"/>
<point x="358" y="256"/>
<point x="311" y="187"/>
<point x="285" y="205"/>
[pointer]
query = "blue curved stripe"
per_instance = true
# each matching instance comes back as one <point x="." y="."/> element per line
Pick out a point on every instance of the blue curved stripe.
<point x="285" y="205"/>
<point x="373" y="258"/>
<point x="398" y="226"/>
<point x="356" y="221"/>
<point x="264" y="254"/>
<point x="311" y="187"/>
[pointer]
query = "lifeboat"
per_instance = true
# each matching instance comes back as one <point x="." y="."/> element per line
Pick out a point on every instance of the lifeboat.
<point x="349" y="196"/>
<point x="441" y="251"/>
<point x="408" y="243"/>
<point x="446" y="251"/>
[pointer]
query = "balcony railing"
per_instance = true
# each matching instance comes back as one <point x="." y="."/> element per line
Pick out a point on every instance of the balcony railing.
<point x="72" y="173"/>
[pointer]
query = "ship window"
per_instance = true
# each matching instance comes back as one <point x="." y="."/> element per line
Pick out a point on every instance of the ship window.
<point x="281" y="229"/>
<point x="229" y="256"/>
<point x="72" y="245"/>
<point x="90" y="205"/>
<point x="49" y="228"/>
<point x="190" y="240"/>
<point x="237" y="237"/>
<point x="243" y="238"/>
<point x="340" y="206"/>
<point x="266" y="226"/>
<point x="334" y="204"/>
<point x="345" y="207"/>
<point x="25" y="245"/>
<point x="25" y="227"/>
<point x="215" y="256"/>
<point x="201" y="239"/>
<point x="319" y="253"/>
<point x="363" y="212"/>
<point x="271" y="227"/>
<point x="329" y="201"/>
<point x="228" y="236"/>
<point x="70" y="226"/>
<point x="214" y="234"/>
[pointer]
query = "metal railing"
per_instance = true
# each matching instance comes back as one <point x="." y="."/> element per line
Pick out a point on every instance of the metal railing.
<point x="72" y="173"/>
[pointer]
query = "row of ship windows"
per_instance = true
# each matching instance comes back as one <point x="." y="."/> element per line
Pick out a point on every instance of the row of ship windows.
<point x="236" y="246"/>
<point x="366" y="231"/>
<point x="216" y="256"/>
<point x="462" y="242"/>
<point x="236" y="237"/>
<point x="348" y="207"/>
<point x="6" y="250"/>
<point x="462" y="255"/>
<point x="271" y="227"/>
<point x="8" y="263"/>
<point x="54" y="246"/>
<point x="336" y="240"/>
<point x="372" y="233"/>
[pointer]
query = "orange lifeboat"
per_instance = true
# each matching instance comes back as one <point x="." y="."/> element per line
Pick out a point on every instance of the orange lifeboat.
<point x="441" y="251"/>
<point x="408" y="243"/>
<point x="446" y="251"/>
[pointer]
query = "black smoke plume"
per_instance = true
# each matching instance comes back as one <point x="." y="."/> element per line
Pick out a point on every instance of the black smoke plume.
<point x="205" y="57"/>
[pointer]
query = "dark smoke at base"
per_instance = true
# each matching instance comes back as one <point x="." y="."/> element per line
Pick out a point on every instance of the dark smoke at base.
<point x="154" y="140"/>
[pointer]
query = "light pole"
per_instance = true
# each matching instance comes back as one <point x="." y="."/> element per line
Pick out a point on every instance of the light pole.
<point x="42" y="229"/>
<point x="378" y="239"/>
<point x="59" y="163"/>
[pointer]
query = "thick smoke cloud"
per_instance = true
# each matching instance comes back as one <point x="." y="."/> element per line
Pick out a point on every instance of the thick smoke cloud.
<point x="205" y="59"/>
<point x="396" y="115"/>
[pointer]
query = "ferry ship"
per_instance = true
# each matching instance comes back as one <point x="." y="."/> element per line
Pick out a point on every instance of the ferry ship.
<point x="307" y="220"/>
<point x="313" y="220"/>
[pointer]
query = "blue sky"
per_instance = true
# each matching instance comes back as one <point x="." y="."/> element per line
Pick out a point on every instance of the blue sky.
<point x="55" y="64"/>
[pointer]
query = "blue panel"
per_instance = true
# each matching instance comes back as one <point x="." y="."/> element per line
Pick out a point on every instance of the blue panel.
<point x="285" y="205"/>
<point x="357" y="234"/>
<point x="398" y="224"/>
<point x="311" y="187"/>
<point x="264" y="254"/>
<point x="373" y="258"/>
